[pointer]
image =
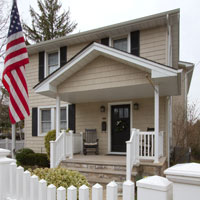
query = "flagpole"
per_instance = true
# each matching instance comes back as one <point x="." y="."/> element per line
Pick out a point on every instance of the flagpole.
<point x="13" y="140"/>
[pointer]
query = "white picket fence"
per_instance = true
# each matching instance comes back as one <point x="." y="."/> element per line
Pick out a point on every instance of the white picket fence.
<point x="7" y="144"/>
<point x="180" y="184"/>
<point x="64" y="146"/>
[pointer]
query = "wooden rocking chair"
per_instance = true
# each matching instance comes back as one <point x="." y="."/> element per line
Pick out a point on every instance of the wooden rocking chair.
<point x="90" y="141"/>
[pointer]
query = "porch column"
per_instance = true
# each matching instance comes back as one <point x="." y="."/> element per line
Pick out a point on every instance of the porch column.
<point x="156" y="122"/>
<point x="57" y="116"/>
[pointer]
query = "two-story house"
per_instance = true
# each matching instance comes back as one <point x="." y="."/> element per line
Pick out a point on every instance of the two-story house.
<point x="112" y="79"/>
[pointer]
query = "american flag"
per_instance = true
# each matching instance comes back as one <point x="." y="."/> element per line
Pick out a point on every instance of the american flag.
<point x="13" y="77"/>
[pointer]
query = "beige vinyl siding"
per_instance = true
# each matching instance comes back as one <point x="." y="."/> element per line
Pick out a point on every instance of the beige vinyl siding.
<point x="153" y="44"/>
<point x="103" y="73"/>
<point x="74" y="49"/>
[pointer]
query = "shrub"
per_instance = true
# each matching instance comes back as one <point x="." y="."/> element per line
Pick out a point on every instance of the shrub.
<point x="28" y="157"/>
<point x="60" y="177"/>
<point x="51" y="136"/>
<point x="21" y="155"/>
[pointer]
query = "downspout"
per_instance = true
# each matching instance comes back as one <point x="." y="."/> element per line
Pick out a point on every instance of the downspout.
<point x="169" y="61"/>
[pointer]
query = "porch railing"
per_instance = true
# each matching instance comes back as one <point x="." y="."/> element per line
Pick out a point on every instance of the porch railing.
<point x="65" y="146"/>
<point x="141" y="146"/>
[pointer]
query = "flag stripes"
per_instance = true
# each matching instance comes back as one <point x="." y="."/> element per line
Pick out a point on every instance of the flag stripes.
<point x="14" y="78"/>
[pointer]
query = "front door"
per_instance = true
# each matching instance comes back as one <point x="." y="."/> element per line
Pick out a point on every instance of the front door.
<point x="120" y="127"/>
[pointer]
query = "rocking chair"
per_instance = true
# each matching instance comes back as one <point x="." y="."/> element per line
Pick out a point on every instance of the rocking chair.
<point x="90" y="141"/>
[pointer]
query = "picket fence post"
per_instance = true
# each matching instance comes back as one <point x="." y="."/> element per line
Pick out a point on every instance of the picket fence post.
<point x="42" y="190"/>
<point x="128" y="190"/>
<point x="19" y="182"/>
<point x="83" y="193"/>
<point x="97" y="192"/>
<point x="111" y="191"/>
<point x="34" y="187"/>
<point x="71" y="193"/>
<point x="51" y="192"/>
<point x="26" y="185"/>
<point x="4" y="173"/>
<point x="12" y="171"/>
<point x="61" y="193"/>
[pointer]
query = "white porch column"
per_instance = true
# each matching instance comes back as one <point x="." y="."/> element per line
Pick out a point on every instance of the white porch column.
<point x="156" y="122"/>
<point x="57" y="116"/>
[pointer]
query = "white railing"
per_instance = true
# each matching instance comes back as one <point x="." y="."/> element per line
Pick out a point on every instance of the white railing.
<point x="132" y="155"/>
<point x="7" y="144"/>
<point x="17" y="184"/>
<point x="161" y="144"/>
<point x="147" y="145"/>
<point x="141" y="146"/>
<point x="65" y="146"/>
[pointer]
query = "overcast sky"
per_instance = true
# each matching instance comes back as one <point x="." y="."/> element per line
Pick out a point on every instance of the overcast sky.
<point x="91" y="14"/>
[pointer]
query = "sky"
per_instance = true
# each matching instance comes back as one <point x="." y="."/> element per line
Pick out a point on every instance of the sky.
<point x="90" y="14"/>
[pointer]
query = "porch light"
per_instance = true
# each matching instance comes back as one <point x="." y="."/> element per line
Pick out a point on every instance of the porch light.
<point x="102" y="109"/>
<point x="136" y="106"/>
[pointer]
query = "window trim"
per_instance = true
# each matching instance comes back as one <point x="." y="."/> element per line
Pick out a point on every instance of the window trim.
<point x="53" y="117"/>
<point x="46" y="68"/>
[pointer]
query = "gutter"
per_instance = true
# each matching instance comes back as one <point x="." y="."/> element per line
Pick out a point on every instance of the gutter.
<point x="105" y="29"/>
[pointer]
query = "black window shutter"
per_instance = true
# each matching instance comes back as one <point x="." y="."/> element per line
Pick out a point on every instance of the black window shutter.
<point x="63" y="55"/>
<point x="105" y="41"/>
<point x="34" y="121"/>
<point x="41" y="66"/>
<point x="72" y="117"/>
<point x="135" y="43"/>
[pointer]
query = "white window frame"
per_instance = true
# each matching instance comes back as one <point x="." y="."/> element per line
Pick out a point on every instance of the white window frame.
<point x="46" y="68"/>
<point x="122" y="37"/>
<point x="53" y="117"/>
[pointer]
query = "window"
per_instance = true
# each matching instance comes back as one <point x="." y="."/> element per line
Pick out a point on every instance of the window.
<point x="120" y="44"/>
<point x="53" y="63"/>
<point x="45" y="120"/>
<point x="63" y="118"/>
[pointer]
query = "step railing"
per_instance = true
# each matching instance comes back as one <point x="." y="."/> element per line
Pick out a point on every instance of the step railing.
<point x="132" y="155"/>
<point x="141" y="146"/>
<point x="65" y="146"/>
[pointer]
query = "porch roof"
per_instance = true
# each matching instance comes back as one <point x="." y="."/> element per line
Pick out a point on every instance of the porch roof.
<point x="167" y="77"/>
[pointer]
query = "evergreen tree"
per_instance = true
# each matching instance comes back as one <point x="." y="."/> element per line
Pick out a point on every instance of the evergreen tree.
<point x="48" y="24"/>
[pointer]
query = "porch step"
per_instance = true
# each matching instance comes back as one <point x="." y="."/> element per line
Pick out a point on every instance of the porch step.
<point x="101" y="172"/>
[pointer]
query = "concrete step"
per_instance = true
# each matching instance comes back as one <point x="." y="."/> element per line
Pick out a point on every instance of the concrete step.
<point x="99" y="173"/>
<point x="93" y="165"/>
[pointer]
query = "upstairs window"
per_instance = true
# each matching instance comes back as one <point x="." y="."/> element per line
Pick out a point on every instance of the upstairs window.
<point x="53" y="63"/>
<point x="120" y="44"/>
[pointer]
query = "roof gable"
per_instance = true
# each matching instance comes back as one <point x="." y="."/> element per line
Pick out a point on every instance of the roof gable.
<point x="94" y="50"/>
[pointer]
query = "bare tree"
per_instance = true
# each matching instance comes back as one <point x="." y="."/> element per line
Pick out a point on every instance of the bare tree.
<point x="4" y="18"/>
<point x="186" y="132"/>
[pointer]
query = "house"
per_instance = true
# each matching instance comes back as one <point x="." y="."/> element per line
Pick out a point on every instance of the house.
<point x="130" y="71"/>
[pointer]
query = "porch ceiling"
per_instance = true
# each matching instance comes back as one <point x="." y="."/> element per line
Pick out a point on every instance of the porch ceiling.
<point x="119" y="93"/>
